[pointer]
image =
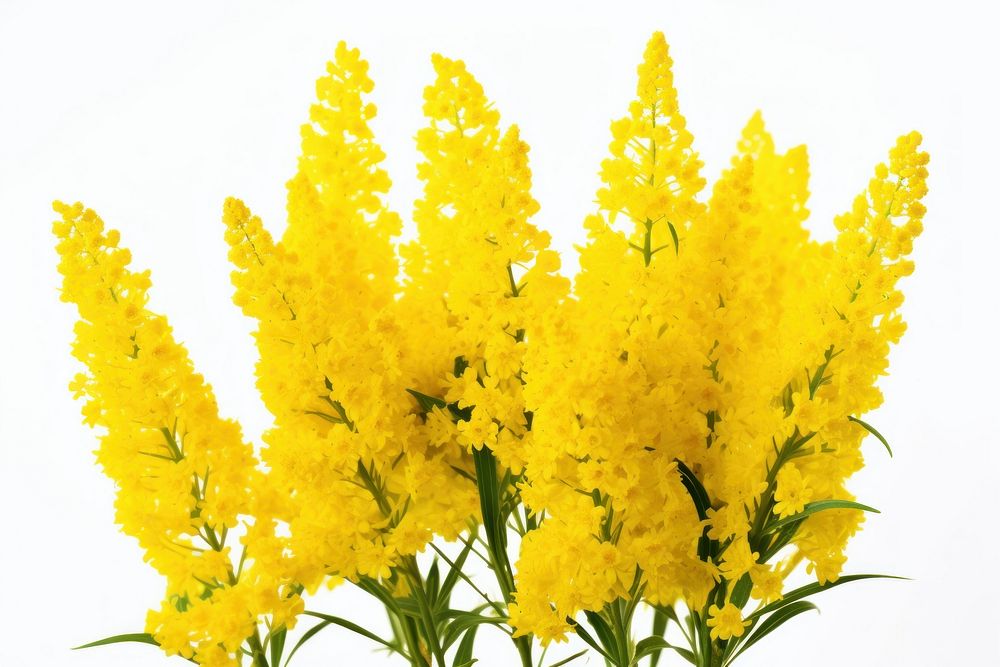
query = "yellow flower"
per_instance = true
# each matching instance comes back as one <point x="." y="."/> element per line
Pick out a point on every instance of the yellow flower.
<point x="792" y="492"/>
<point x="375" y="559"/>
<point x="768" y="584"/>
<point x="738" y="560"/>
<point x="726" y="622"/>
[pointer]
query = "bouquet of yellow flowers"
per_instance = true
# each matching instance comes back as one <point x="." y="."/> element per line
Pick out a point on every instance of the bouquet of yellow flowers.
<point x="674" y="429"/>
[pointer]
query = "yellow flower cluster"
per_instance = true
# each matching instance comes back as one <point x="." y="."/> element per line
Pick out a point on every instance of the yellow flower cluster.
<point x="184" y="476"/>
<point x="479" y="273"/>
<point x="677" y="428"/>
<point x="364" y="482"/>
<point x="721" y="339"/>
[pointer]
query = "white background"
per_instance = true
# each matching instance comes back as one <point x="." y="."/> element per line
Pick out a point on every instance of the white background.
<point x="153" y="114"/>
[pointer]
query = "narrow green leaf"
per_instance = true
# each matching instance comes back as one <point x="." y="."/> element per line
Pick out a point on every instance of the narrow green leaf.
<point x="589" y="640"/>
<point x="454" y="572"/>
<point x="635" y="598"/>
<point x="871" y="429"/>
<point x="277" y="641"/>
<point x="427" y="403"/>
<point x="489" y="497"/>
<point x="462" y="622"/>
<point x="433" y="582"/>
<point x="136" y="637"/>
<point x="695" y="488"/>
<point x="741" y="591"/>
<point x="603" y="630"/>
<point x="462" y="473"/>
<point x="702" y="504"/>
<point x="328" y="620"/>
<point x="779" y="541"/>
<point x="566" y="661"/>
<point x="409" y="607"/>
<point x="773" y="622"/>
<point x="812" y="589"/>
<point x="456" y="613"/>
<point x="673" y="235"/>
<point x="376" y="590"/>
<point x="669" y="612"/>
<point x="653" y="645"/>
<point x="464" y="654"/>
<point x="818" y="506"/>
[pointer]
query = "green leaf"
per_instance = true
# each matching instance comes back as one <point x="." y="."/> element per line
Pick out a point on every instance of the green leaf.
<point x="669" y="612"/>
<point x="427" y="403"/>
<point x="871" y="429"/>
<point x="463" y="621"/>
<point x="603" y="630"/>
<point x="783" y="537"/>
<point x="812" y="589"/>
<point x="463" y="656"/>
<point x="454" y="572"/>
<point x="433" y="582"/>
<point x="659" y="630"/>
<point x="409" y="607"/>
<point x="653" y="645"/>
<point x="741" y="591"/>
<point x="673" y="235"/>
<point x="773" y="622"/>
<point x="636" y="597"/>
<point x="586" y="637"/>
<point x="568" y="660"/>
<point x="818" y="506"/>
<point x="136" y="637"/>
<point x="489" y="498"/>
<point x="695" y="488"/>
<point x="328" y="620"/>
<point x="701" y="503"/>
<point x="277" y="641"/>
<point x="660" y="620"/>
<point x="376" y="590"/>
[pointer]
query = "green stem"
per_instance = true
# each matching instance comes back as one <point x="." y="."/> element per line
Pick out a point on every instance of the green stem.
<point x="622" y="633"/>
<point x="523" y="645"/>
<point x="763" y="511"/>
<point x="257" y="650"/>
<point x="504" y="573"/>
<point x="647" y="243"/>
<point x="496" y="607"/>
<point x="500" y="565"/>
<point x="426" y="613"/>
<point x="514" y="291"/>
<point x="412" y="637"/>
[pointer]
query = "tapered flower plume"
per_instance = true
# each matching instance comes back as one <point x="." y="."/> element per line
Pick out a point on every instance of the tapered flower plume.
<point x="653" y="173"/>
<point x="184" y="475"/>
<point x="676" y="439"/>
<point x="348" y="454"/>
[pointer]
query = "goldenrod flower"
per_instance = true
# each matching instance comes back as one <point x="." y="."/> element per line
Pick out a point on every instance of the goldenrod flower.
<point x="726" y="622"/>
<point x="183" y="474"/>
<point x="664" y="430"/>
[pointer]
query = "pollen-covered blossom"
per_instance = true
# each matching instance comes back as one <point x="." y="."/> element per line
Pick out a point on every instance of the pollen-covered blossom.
<point x="183" y="473"/>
